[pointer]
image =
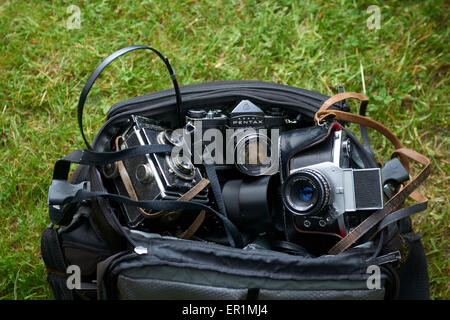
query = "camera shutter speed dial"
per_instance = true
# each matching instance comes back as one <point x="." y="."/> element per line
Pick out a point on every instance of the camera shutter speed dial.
<point x="196" y="113"/>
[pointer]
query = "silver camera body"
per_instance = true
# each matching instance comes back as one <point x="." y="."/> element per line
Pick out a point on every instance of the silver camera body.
<point x="319" y="194"/>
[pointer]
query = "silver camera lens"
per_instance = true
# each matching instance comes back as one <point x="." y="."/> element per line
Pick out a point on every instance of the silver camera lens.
<point x="306" y="192"/>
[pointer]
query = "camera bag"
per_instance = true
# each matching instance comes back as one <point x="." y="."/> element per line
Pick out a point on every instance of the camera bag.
<point x="382" y="258"/>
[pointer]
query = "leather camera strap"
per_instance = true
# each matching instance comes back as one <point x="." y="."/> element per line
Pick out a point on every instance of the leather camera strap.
<point x="403" y="153"/>
<point x="129" y="185"/>
<point x="189" y="232"/>
<point x="324" y="113"/>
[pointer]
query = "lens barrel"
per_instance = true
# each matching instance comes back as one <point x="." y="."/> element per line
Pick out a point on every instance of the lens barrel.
<point x="251" y="203"/>
<point x="306" y="192"/>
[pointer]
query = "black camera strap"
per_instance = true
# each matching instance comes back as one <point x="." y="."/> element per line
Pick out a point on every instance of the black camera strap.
<point x="64" y="197"/>
<point x="90" y="82"/>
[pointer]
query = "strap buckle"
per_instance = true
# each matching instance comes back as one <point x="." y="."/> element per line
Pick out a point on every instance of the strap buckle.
<point x="60" y="190"/>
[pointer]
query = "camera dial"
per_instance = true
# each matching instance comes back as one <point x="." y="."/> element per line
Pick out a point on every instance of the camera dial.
<point x="169" y="137"/>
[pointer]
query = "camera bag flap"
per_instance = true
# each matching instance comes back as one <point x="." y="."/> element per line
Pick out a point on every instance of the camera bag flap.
<point x="170" y="268"/>
<point x="119" y="262"/>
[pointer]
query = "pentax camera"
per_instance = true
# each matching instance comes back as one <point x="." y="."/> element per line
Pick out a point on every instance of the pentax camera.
<point x="242" y="136"/>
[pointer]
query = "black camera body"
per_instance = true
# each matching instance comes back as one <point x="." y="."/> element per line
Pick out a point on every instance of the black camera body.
<point x="245" y="115"/>
<point x="245" y="128"/>
<point x="153" y="176"/>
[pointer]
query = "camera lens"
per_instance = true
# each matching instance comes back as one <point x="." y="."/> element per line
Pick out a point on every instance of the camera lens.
<point x="306" y="192"/>
<point x="251" y="203"/>
<point x="253" y="155"/>
<point x="303" y="195"/>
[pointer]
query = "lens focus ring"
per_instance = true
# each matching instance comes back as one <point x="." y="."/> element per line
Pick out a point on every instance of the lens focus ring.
<point x="306" y="192"/>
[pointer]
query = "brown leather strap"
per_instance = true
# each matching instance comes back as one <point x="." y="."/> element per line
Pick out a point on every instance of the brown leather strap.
<point x="349" y="117"/>
<point x="202" y="184"/>
<point x="189" y="195"/>
<point x="190" y="231"/>
<point x="338" y="98"/>
<point x="323" y="113"/>
<point x="194" y="226"/>
<point x="129" y="185"/>
<point x="404" y="154"/>
<point x="392" y="205"/>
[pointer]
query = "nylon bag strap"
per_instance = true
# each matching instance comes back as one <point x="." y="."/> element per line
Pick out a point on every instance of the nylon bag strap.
<point x="399" y="215"/>
<point x="89" y="157"/>
<point x="403" y="153"/>
<point x="233" y="234"/>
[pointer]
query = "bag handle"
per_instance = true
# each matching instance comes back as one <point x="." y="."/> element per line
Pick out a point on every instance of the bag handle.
<point x="403" y="153"/>
<point x="90" y="82"/>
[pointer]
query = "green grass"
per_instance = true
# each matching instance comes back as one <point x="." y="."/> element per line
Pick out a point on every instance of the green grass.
<point x="314" y="45"/>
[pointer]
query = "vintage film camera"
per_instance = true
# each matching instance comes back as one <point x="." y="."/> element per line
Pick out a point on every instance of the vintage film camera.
<point x="323" y="189"/>
<point x="153" y="176"/>
<point x="320" y="196"/>
<point x="246" y="133"/>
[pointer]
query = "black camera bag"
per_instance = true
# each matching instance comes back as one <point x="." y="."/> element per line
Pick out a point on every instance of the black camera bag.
<point x="119" y="263"/>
